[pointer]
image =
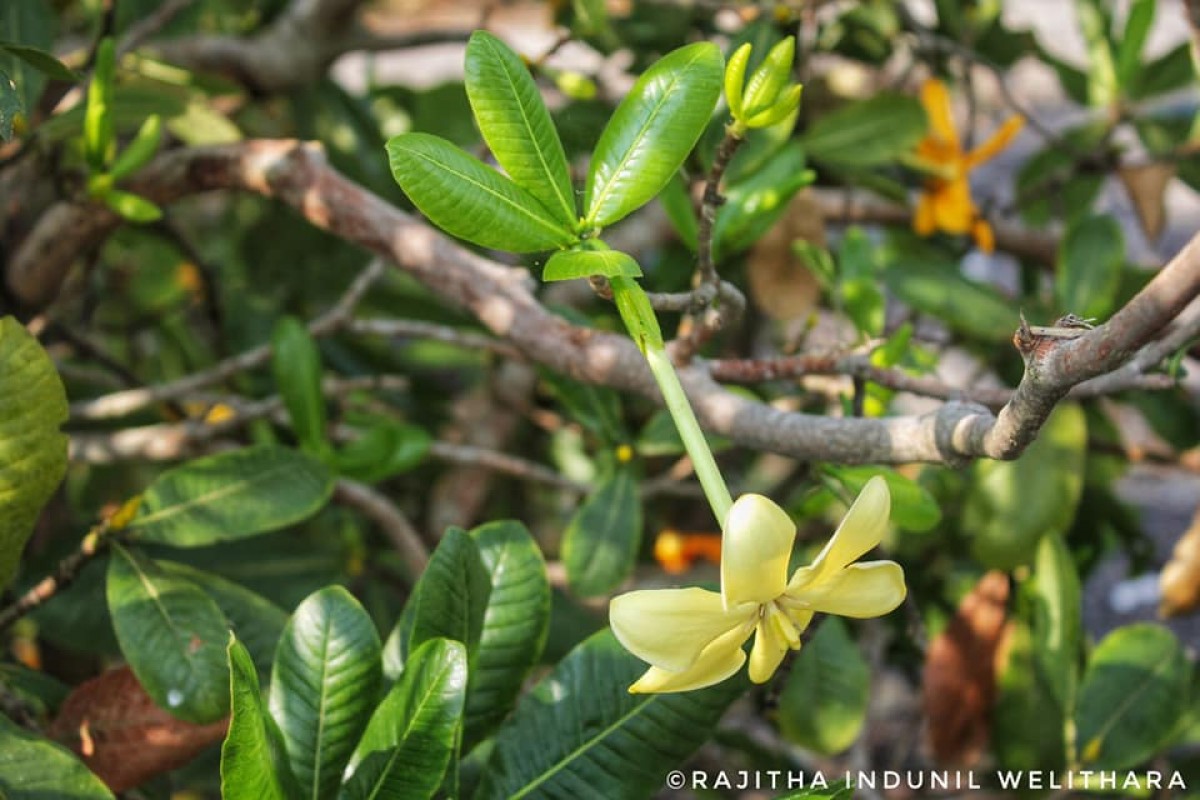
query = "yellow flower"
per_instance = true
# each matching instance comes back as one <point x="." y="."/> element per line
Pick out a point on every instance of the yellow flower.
<point x="946" y="203"/>
<point x="693" y="638"/>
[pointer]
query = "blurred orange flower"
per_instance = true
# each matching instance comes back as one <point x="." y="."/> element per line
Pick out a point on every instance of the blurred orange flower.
<point x="676" y="552"/>
<point x="946" y="203"/>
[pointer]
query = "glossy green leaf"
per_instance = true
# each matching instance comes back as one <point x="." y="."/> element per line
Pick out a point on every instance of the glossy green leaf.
<point x="412" y="735"/>
<point x="567" y="264"/>
<point x="41" y="60"/>
<point x="472" y="201"/>
<point x="324" y="683"/>
<point x="516" y="125"/>
<point x="940" y="289"/>
<point x="580" y="732"/>
<point x="913" y="507"/>
<point x="515" y="624"/>
<point x="601" y="542"/>
<point x="34" y="768"/>
<point x="1134" y="693"/>
<point x="172" y="634"/>
<point x="753" y="205"/>
<point x="230" y="496"/>
<point x="1057" y="619"/>
<point x="1027" y="722"/>
<point x="33" y="453"/>
<point x="383" y="450"/>
<point x="1090" y="260"/>
<point x="1129" y="49"/>
<point x="1010" y="505"/>
<point x="651" y="132"/>
<point x="296" y="365"/>
<point x="824" y="701"/>
<point x="449" y="601"/>
<point x="254" y="763"/>
<point x="866" y="133"/>
<point x="256" y="621"/>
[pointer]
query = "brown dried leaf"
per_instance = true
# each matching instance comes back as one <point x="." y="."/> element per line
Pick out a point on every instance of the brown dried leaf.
<point x="123" y="737"/>
<point x="1179" y="582"/>
<point x="1146" y="185"/>
<point x="959" y="680"/>
<point x="780" y="284"/>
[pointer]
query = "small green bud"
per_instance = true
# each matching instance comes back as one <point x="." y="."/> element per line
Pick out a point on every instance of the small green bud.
<point x="735" y="79"/>
<point x="768" y="80"/>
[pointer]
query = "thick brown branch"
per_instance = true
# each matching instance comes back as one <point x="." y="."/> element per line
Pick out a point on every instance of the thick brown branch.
<point x="500" y="297"/>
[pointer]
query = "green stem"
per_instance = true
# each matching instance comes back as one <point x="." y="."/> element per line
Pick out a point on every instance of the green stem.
<point x="642" y="324"/>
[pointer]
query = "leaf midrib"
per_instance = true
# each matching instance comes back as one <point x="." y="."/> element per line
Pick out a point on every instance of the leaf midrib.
<point x="598" y="202"/>
<point x="209" y="497"/>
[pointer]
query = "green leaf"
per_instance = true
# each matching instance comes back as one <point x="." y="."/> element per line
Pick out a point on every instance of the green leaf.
<point x="325" y="681"/>
<point x="32" y="24"/>
<point x="515" y="624"/>
<point x="567" y="264"/>
<point x="449" y="601"/>
<point x="99" y="134"/>
<point x="34" y="768"/>
<point x="858" y="284"/>
<point x="173" y="636"/>
<point x="230" y="496"/>
<point x="1102" y="89"/>
<point x="412" y="735"/>
<point x="254" y="764"/>
<point x="1057" y="619"/>
<point x="867" y="133"/>
<point x="752" y="206"/>
<point x="938" y="288"/>
<point x="1027" y="723"/>
<point x="651" y="132"/>
<point x="1129" y="49"/>
<point x="33" y="453"/>
<point x="580" y="730"/>
<point x="913" y="507"/>
<point x="256" y="621"/>
<point x="597" y="408"/>
<point x="678" y="204"/>
<point x="1134" y="693"/>
<point x="130" y="206"/>
<point x="1166" y="73"/>
<point x="1090" y="260"/>
<point x="383" y="450"/>
<point x="42" y="61"/>
<point x="1010" y="505"/>
<point x="296" y="365"/>
<point x="140" y="150"/>
<point x="516" y="125"/>
<point x="601" y="541"/>
<point x="824" y="701"/>
<point x="469" y="200"/>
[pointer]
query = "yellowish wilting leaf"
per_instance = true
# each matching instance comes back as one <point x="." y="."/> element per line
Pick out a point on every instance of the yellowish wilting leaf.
<point x="781" y="286"/>
<point x="1146" y="185"/>
<point x="1179" y="582"/>
<point x="959" y="680"/>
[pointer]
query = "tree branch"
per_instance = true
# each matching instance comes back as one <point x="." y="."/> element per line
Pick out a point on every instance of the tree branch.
<point x="500" y="297"/>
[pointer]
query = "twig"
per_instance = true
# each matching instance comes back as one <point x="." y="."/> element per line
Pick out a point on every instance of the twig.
<point x="94" y="542"/>
<point x="119" y="404"/>
<point x="417" y="329"/>
<point x="391" y="521"/>
<point x="151" y="24"/>
<point x="505" y="464"/>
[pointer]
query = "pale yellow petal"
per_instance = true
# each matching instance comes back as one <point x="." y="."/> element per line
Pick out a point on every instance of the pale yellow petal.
<point x="670" y="627"/>
<point x="871" y="589"/>
<point x="755" y="549"/>
<point x="862" y="529"/>
<point x="936" y="101"/>
<point x="717" y="662"/>
<point x="998" y="141"/>
<point x="768" y="651"/>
